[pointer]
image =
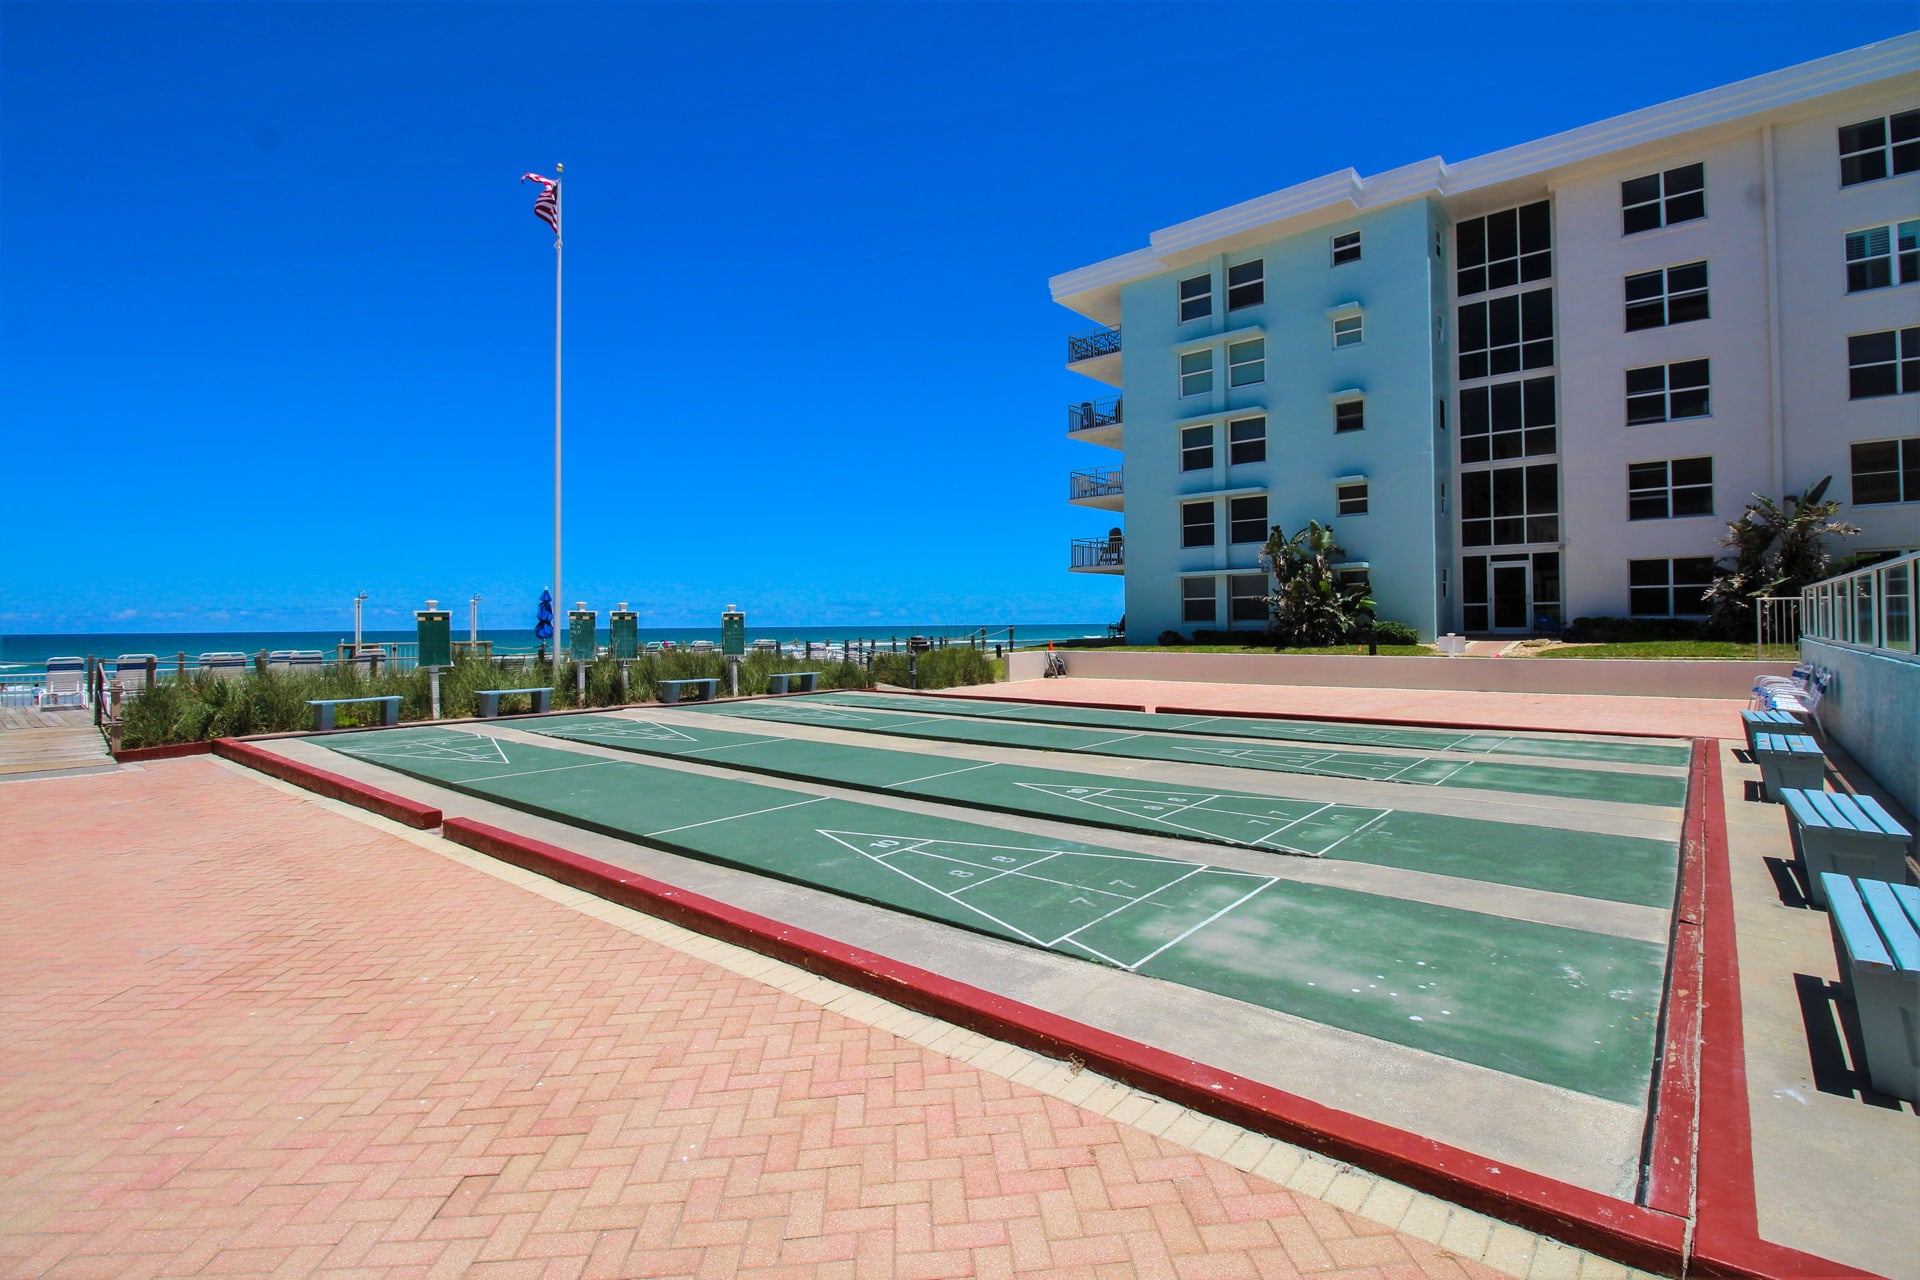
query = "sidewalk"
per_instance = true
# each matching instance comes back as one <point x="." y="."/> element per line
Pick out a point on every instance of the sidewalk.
<point x="1534" y="712"/>
<point x="251" y="1035"/>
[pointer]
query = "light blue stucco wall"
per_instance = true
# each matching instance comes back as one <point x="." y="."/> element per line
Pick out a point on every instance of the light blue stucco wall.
<point x="1400" y="366"/>
<point x="1872" y="707"/>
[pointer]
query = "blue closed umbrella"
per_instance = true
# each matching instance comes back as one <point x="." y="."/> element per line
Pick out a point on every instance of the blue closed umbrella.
<point x="543" y="619"/>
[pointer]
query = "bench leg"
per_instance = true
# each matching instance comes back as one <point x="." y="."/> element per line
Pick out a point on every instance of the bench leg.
<point x="322" y="719"/>
<point x="809" y="683"/>
<point x="390" y="713"/>
<point x="669" y="693"/>
<point x="542" y="700"/>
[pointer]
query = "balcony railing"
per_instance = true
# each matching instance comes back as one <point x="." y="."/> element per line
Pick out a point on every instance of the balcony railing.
<point x="1109" y="552"/>
<point x="1086" y="346"/>
<point x="1088" y="414"/>
<point x="1102" y="483"/>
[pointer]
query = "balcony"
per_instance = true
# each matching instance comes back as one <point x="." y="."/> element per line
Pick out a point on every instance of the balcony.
<point x="1096" y="422"/>
<point x="1099" y="555"/>
<point x="1096" y="354"/>
<point x="1098" y="488"/>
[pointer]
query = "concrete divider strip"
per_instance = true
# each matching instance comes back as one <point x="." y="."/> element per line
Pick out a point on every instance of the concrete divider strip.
<point x="332" y="785"/>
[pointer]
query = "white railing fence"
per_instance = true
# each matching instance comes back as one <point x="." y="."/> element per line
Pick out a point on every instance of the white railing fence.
<point x="1871" y="608"/>
<point x="1776" y="621"/>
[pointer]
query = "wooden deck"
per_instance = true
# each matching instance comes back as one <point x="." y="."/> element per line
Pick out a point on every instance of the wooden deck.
<point x="34" y="741"/>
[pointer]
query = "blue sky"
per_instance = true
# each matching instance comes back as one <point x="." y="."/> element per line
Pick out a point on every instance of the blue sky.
<point x="276" y="318"/>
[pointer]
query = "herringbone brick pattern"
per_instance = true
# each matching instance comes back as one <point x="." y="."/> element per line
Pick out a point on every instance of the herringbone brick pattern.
<point x="245" y="1035"/>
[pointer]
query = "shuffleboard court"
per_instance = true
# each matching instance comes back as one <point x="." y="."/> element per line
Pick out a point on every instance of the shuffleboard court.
<point x="1582" y="863"/>
<point x="1568" y="1007"/>
<point x="1473" y="742"/>
<point x="1664" y="789"/>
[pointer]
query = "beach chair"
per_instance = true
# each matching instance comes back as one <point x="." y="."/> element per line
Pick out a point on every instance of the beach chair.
<point x="66" y="683"/>
<point x="130" y="672"/>
<point x="306" y="659"/>
<point x="224" y="665"/>
<point x="280" y="660"/>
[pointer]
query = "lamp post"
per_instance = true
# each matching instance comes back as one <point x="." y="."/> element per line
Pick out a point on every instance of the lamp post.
<point x="357" y="602"/>
<point x="473" y="622"/>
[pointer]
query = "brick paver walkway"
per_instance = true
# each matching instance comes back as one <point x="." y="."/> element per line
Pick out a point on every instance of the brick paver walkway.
<point x="247" y="1035"/>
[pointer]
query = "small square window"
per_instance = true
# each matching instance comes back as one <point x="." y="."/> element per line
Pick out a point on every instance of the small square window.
<point x="1196" y="524"/>
<point x="1352" y="499"/>
<point x="1875" y="149"/>
<point x="1247" y="362"/>
<point x="1348" y="331"/>
<point x="1662" y="199"/>
<point x="1196" y="449"/>
<point x="1196" y="373"/>
<point x="1196" y="298"/>
<point x="1247" y="284"/>
<point x="1673" y="295"/>
<point x="1346" y="248"/>
<point x="1197" y="603"/>
<point x="1350" y="415"/>
<point x="1881" y="257"/>
<point x="1886" y="471"/>
<point x="1246" y="441"/>
<point x="1247" y="597"/>
<point x="1247" y="519"/>
<point x="1666" y="392"/>
<point x="1883" y="364"/>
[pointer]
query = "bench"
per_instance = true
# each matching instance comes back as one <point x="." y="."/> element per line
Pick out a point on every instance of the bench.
<point x="709" y="689"/>
<point x="782" y="681"/>
<point x="489" y="700"/>
<point x="323" y="709"/>
<point x="1759" y="722"/>
<point x="1845" y="835"/>
<point x="1789" y="760"/>
<point x="1876" y="943"/>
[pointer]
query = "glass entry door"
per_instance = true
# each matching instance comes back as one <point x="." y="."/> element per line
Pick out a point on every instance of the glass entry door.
<point x="1511" y="596"/>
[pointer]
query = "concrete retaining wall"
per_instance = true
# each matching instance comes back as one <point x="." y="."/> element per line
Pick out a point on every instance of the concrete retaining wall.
<point x="1634" y="677"/>
<point x="1872" y="708"/>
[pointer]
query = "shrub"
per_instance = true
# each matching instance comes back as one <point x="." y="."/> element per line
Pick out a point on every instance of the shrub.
<point x="1632" y="630"/>
<point x="939" y="668"/>
<point x="1390" y="633"/>
<point x="1171" y="638"/>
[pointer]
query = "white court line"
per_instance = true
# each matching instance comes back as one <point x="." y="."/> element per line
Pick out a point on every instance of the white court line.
<point x="755" y="742"/>
<point x="1068" y="935"/>
<point x="1302" y="818"/>
<point x="1011" y="928"/>
<point x="730" y="817"/>
<point x="1098" y="955"/>
<point x="1465" y="764"/>
<point x="558" y="768"/>
<point x="1379" y="817"/>
<point x="1203" y="924"/>
<point x="1413" y="764"/>
<point x="1107" y="742"/>
<point x="948" y="774"/>
<point x="1010" y="871"/>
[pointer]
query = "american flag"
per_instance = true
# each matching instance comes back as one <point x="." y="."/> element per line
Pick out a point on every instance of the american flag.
<point x="546" y="206"/>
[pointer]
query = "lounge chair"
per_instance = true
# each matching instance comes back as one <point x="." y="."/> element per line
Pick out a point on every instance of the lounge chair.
<point x="66" y="683"/>
<point x="306" y="659"/>
<point x="225" y="665"/>
<point x="130" y="672"/>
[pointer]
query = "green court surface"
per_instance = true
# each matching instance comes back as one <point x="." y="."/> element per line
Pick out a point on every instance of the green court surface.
<point x="1667" y="789"/>
<point x="1586" y="864"/>
<point x="1474" y="742"/>
<point x="1564" y="1006"/>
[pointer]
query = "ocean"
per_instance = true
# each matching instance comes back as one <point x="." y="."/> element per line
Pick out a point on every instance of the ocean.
<point x="30" y="652"/>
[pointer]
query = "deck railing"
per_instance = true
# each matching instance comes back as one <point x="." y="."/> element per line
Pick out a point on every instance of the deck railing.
<point x="1871" y="608"/>
<point x="1100" y="483"/>
<point x="1088" y="414"/>
<point x="1099" y="553"/>
<point x="1087" y="346"/>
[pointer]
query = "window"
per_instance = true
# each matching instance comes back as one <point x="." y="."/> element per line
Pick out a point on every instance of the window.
<point x="1664" y="392"/>
<point x="1508" y="420"/>
<point x="1196" y="373"/>
<point x="1247" y="597"/>
<point x="1510" y="505"/>
<point x="1352" y="499"/>
<point x="1446" y="579"/>
<point x="1350" y="415"/>
<point x="1506" y="248"/>
<point x="1883" y="364"/>
<point x="1873" y="149"/>
<point x="1246" y="285"/>
<point x="1506" y="335"/>
<point x="1247" y="518"/>
<point x="1663" y="490"/>
<point x="1440" y="413"/>
<point x="1196" y="448"/>
<point x="1348" y="331"/>
<point x="1546" y="583"/>
<point x="1196" y="298"/>
<point x="1196" y="524"/>
<point x="1886" y="470"/>
<point x="1246" y="441"/>
<point x="1872" y="262"/>
<point x="1662" y="199"/>
<point x="1197" y="600"/>
<point x="1346" y="248"/>
<point x="1673" y="295"/>
<point x="1668" y="588"/>
<point x="1443" y="497"/>
<point x="1246" y="362"/>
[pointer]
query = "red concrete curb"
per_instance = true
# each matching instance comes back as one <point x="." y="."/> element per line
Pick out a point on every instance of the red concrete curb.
<point x="332" y="785"/>
<point x="1631" y="1233"/>
<point x="1726" y="1234"/>
<point x="1676" y="1100"/>
<point x="172" y="750"/>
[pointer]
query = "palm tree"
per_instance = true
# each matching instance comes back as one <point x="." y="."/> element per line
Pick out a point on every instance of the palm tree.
<point x="1310" y="604"/>
<point x="1776" y="551"/>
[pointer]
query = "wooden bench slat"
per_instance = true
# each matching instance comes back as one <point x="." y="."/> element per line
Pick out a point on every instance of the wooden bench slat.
<point x="1895" y="929"/>
<point x="1803" y="807"/>
<point x="1850" y="917"/>
<point x="1877" y="814"/>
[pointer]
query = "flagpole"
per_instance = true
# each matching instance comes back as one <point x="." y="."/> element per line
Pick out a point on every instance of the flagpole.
<point x="558" y="596"/>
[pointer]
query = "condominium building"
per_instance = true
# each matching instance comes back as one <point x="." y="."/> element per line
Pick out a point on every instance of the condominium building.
<point x="1525" y="387"/>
